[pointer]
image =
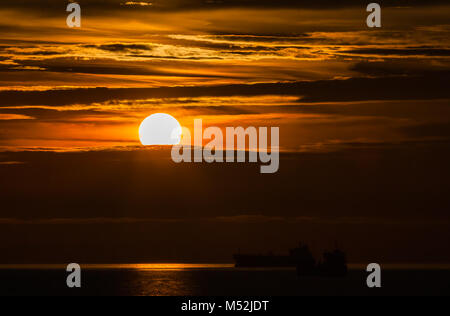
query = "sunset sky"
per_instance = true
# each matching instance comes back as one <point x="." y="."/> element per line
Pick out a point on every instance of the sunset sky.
<point x="364" y="117"/>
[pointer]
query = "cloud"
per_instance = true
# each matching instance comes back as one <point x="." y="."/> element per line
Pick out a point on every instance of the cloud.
<point x="246" y="219"/>
<point x="9" y="163"/>
<point x="98" y="5"/>
<point x="410" y="66"/>
<point x="10" y="117"/>
<point x="83" y="221"/>
<point x="219" y="110"/>
<point x="237" y="219"/>
<point x="409" y="51"/>
<point x="426" y="87"/>
<point x="121" y="47"/>
<point x="437" y="130"/>
<point x="59" y="115"/>
<point x="259" y="219"/>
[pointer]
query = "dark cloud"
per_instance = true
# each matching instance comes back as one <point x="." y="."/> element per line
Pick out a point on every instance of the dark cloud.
<point x="239" y="43"/>
<point x="141" y="200"/>
<point x="120" y="47"/>
<point x="59" y="115"/>
<point x="420" y="110"/>
<point x="173" y="57"/>
<point x="98" y="66"/>
<point x="330" y="182"/>
<point x="440" y="130"/>
<point x="94" y="6"/>
<point x="336" y="220"/>
<point x="435" y="52"/>
<point x="238" y="219"/>
<point x="220" y="110"/>
<point x="84" y="221"/>
<point x="36" y="53"/>
<point x="409" y="66"/>
<point x="322" y="4"/>
<point x="426" y="87"/>
<point x="391" y="88"/>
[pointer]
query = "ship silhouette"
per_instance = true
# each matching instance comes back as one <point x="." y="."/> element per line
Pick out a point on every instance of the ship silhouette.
<point x="333" y="263"/>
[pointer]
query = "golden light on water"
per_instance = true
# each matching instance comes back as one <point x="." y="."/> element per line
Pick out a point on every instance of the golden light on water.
<point x="124" y="266"/>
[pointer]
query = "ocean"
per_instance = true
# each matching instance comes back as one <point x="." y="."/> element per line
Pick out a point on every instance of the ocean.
<point x="216" y="280"/>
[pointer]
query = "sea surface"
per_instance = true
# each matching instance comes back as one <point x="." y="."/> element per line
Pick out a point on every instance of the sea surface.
<point x="217" y="280"/>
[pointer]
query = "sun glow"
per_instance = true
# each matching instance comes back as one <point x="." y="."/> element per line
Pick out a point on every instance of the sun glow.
<point x="160" y="129"/>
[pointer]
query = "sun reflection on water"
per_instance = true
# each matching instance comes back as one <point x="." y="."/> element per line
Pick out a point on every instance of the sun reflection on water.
<point x="159" y="266"/>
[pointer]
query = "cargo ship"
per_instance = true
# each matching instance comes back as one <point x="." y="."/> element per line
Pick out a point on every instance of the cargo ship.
<point x="333" y="263"/>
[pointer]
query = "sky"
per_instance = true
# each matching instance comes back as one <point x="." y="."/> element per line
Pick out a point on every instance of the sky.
<point x="364" y="118"/>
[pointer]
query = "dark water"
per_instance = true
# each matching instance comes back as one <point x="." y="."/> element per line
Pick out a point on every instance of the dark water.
<point x="216" y="281"/>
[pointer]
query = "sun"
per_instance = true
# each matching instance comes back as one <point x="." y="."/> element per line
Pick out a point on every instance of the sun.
<point x="160" y="129"/>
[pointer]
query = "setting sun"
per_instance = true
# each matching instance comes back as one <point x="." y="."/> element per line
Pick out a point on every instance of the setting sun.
<point x="160" y="129"/>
